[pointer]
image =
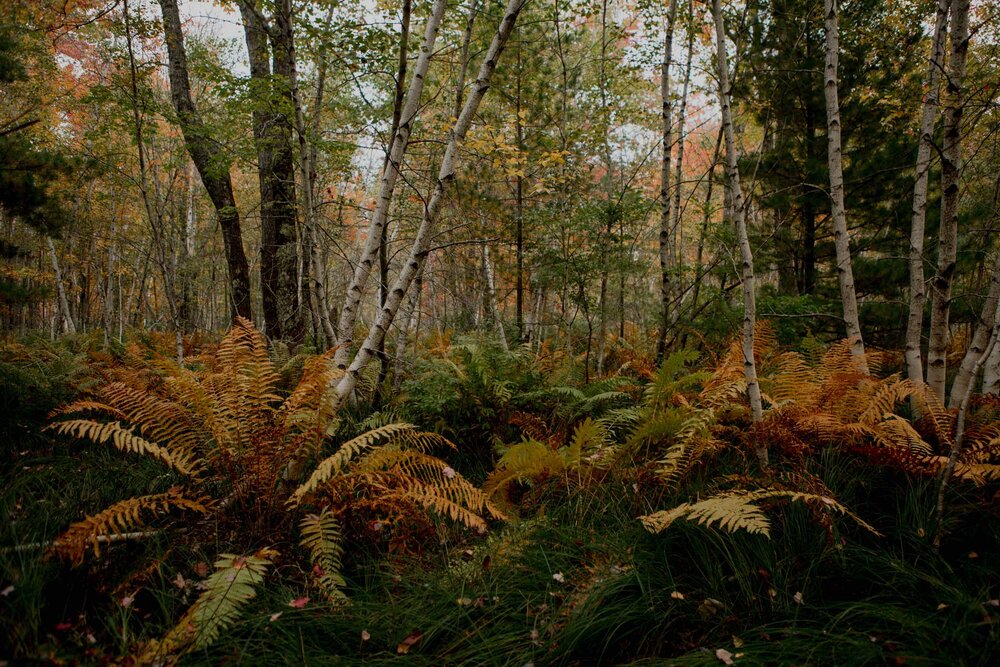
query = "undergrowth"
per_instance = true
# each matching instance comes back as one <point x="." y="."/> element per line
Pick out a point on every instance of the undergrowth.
<point x="622" y="521"/>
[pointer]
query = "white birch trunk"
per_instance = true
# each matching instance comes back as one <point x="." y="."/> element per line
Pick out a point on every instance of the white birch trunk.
<point x="665" y="201"/>
<point x="963" y="409"/>
<point x="676" y="226"/>
<point x="841" y="238"/>
<point x="918" y="295"/>
<point x="69" y="326"/>
<point x="951" y="167"/>
<point x="387" y="188"/>
<point x="739" y="217"/>
<point x="965" y="380"/>
<point x="491" y="296"/>
<point x="991" y="373"/>
<point x="446" y="175"/>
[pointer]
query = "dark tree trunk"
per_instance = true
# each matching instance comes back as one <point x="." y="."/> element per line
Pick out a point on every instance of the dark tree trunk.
<point x="272" y="128"/>
<point x="214" y="172"/>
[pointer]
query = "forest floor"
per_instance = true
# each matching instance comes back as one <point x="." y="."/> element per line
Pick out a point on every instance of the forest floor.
<point x="576" y="580"/>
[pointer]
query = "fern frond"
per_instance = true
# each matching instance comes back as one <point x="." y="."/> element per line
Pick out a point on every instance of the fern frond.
<point x="121" y="517"/>
<point x="224" y="594"/>
<point x="731" y="511"/>
<point x="349" y="451"/>
<point x="739" y="510"/>
<point x="692" y="442"/>
<point x="124" y="439"/>
<point x="321" y="536"/>
<point x="588" y="435"/>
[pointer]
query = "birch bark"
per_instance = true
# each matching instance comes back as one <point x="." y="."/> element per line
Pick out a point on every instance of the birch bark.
<point x="387" y="188"/>
<point x="951" y="167"/>
<point x="918" y="295"/>
<point x="739" y="217"/>
<point x="841" y="238"/>
<point x="446" y="175"/>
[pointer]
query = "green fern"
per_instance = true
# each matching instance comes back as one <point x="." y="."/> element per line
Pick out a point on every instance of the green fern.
<point x="224" y="594"/>
<point x="321" y="536"/>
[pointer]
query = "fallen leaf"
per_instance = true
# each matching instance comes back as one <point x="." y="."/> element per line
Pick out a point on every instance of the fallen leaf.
<point x="558" y="576"/>
<point x="737" y="642"/>
<point x="64" y="626"/>
<point x="463" y="602"/>
<point x="973" y="555"/>
<point x="408" y="643"/>
<point x="725" y="656"/>
<point x="942" y="606"/>
<point x="7" y="591"/>
<point x="993" y="603"/>
<point x="299" y="603"/>
<point x="797" y="597"/>
<point x="276" y="616"/>
<point x="365" y="636"/>
<point x="127" y="601"/>
<point x="677" y="595"/>
<point x="202" y="569"/>
<point x="449" y="472"/>
<point x="180" y="582"/>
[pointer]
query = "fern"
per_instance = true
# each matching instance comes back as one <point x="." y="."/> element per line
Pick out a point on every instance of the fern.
<point x="118" y="519"/>
<point x="225" y="593"/>
<point x="123" y="439"/>
<point x="347" y="452"/>
<point x="740" y="510"/>
<point x="321" y="536"/>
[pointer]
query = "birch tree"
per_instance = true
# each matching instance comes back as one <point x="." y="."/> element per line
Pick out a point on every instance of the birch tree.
<point x="915" y="318"/>
<point x="739" y="218"/>
<point x="841" y="237"/>
<point x="432" y="209"/>
<point x="665" y="201"/>
<point x="951" y="167"/>
<point x="387" y="188"/>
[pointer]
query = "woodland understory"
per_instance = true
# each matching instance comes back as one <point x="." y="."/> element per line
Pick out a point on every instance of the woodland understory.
<point x="500" y="332"/>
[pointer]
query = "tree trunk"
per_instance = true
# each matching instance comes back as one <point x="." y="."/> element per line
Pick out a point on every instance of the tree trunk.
<point x="964" y="379"/>
<point x="676" y="225"/>
<point x="951" y="167"/>
<point x="958" y="442"/>
<point x="383" y="246"/>
<point x="272" y="131"/>
<point x="213" y="171"/>
<point x="841" y="238"/>
<point x="918" y="296"/>
<point x="69" y="326"/>
<point x="738" y="212"/>
<point x="446" y="175"/>
<point x="492" y="309"/>
<point x="665" y="201"/>
<point x="387" y="188"/>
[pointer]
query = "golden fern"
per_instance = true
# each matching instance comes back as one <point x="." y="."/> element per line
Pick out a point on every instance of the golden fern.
<point x="692" y="441"/>
<point x="740" y="510"/>
<point x="119" y="519"/>
<point x="321" y="536"/>
<point x="347" y="452"/>
<point x="123" y="439"/>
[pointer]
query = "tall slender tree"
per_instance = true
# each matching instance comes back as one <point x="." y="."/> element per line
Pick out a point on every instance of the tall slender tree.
<point x="213" y="168"/>
<point x="739" y="217"/>
<point x="951" y="168"/>
<point x="841" y="237"/>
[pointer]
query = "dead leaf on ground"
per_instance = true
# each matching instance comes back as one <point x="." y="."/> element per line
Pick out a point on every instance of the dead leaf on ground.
<point x="408" y="643"/>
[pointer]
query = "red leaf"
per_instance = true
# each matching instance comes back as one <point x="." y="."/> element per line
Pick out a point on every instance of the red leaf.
<point x="299" y="603"/>
<point x="408" y="643"/>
